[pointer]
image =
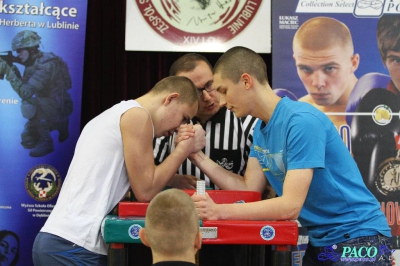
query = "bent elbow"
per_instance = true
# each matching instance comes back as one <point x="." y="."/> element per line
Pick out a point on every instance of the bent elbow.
<point x="291" y="214"/>
<point x="144" y="197"/>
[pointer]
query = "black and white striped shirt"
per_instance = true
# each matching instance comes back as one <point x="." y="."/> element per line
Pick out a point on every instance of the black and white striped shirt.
<point x="228" y="142"/>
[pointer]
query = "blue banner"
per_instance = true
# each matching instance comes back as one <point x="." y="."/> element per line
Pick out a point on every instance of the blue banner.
<point x="41" y="72"/>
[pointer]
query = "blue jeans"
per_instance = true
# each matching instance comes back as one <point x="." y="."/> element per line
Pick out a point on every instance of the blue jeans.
<point x="366" y="250"/>
<point x="49" y="250"/>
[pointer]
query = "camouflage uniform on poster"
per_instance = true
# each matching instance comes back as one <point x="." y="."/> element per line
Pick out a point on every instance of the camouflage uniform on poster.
<point x="43" y="88"/>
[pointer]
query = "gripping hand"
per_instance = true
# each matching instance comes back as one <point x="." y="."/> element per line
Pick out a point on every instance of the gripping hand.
<point x="14" y="77"/>
<point x="4" y="68"/>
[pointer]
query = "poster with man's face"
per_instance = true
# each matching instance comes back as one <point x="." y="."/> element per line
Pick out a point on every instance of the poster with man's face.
<point x="343" y="57"/>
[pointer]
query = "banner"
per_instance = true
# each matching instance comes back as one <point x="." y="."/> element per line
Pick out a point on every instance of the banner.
<point x="341" y="62"/>
<point x="197" y="26"/>
<point x="41" y="71"/>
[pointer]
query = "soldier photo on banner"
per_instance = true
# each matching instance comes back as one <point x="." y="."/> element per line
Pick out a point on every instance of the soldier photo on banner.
<point x="42" y="51"/>
<point x="43" y="88"/>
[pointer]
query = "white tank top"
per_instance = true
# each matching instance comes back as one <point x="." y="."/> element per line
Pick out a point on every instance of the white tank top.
<point x="96" y="181"/>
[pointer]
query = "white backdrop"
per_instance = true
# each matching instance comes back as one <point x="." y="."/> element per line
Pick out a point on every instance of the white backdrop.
<point x="198" y="26"/>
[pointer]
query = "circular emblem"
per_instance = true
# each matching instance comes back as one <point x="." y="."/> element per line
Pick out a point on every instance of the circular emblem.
<point x="194" y="22"/>
<point x="382" y="115"/>
<point x="267" y="233"/>
<point x="133" y="231"/>
<point x="388" y="177"/>
<point x="43" y="182"/>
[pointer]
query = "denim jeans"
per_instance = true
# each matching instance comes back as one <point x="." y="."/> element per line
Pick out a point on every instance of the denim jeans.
<point x="49" y="250"/>
<point x="367" y="250"/>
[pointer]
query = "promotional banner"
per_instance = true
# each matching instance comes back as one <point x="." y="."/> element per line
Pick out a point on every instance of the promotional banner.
<point x="343" y="57"/>
<point x="197" y="26"/>
<point x="41" y="73"/>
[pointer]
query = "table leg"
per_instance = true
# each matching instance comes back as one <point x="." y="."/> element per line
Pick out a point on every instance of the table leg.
<point x="117" y="255"/>
<point x="281" y="256"/>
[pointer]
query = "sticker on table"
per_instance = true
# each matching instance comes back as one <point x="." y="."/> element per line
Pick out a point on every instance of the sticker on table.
<point x="209" y="232"/>
<point x="267" y="233"/>
<point x="133" y="231"/>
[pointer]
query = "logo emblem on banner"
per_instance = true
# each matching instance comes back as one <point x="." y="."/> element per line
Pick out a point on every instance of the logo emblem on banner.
<point x="200" y="21"/>
<point x="43" y="182"/>
<point x="382" y="115"/>
<point x="388" y="177"/>
<point x="369" y="8"/>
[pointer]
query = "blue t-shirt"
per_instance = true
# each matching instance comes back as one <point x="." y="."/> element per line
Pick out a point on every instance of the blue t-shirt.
<point x="338" y="206"/>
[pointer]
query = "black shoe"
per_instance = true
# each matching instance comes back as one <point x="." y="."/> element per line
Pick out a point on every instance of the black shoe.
<point x="30" y="135"/>
<point x="29" y="142"/>
<point x="62" y="128"/>
<point x="63" y="136"/>
<point x="41" y="149"/>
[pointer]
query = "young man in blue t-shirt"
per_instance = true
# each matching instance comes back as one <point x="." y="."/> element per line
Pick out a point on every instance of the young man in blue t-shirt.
<point x="297" y="150"/>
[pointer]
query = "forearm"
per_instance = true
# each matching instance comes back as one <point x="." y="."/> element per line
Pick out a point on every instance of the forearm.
<point x="286" y="207"/>
<point x="270" y="209"/>
<point x="158" y="178"/>
<point x="223" y="178"/>
<point x="169" y="167"/>
<point x="146" y="181"/>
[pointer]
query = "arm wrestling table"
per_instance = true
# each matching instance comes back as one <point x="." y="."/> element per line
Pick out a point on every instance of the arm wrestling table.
<point x="124" y="228"/>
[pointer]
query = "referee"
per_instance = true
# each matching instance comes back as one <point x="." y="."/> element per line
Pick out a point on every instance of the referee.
<point x="228" y="137"/>
<point x="228" y="141"/>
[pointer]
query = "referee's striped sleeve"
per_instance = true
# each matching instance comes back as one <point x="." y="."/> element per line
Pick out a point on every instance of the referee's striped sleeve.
<point x="160" y="149"/>
<point x="248" y="124"/>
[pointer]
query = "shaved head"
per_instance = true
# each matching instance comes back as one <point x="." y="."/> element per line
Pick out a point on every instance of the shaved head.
<point x="238" y="60"/>
<point x="321" y="33"/>
<point x="172" y="222"/>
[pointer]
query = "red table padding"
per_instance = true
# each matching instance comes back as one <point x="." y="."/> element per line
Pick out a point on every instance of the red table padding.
<point x="253" y="232"/>
<point x="134" y="208"/>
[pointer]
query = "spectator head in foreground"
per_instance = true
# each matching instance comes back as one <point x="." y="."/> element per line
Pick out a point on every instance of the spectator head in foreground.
<point x="172" y="227"/>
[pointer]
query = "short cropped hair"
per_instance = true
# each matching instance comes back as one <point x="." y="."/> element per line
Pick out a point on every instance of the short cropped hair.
<point x="188" y="93"/>
<point x="388" y="35"/>
<point x="187" y="63"/>
<point x="172" y="223"/>
<point x="238" y="60"/>
<point x="322" y="32"/>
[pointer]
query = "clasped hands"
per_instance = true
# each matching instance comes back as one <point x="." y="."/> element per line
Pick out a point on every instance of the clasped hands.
<point x="191" y="134"/>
